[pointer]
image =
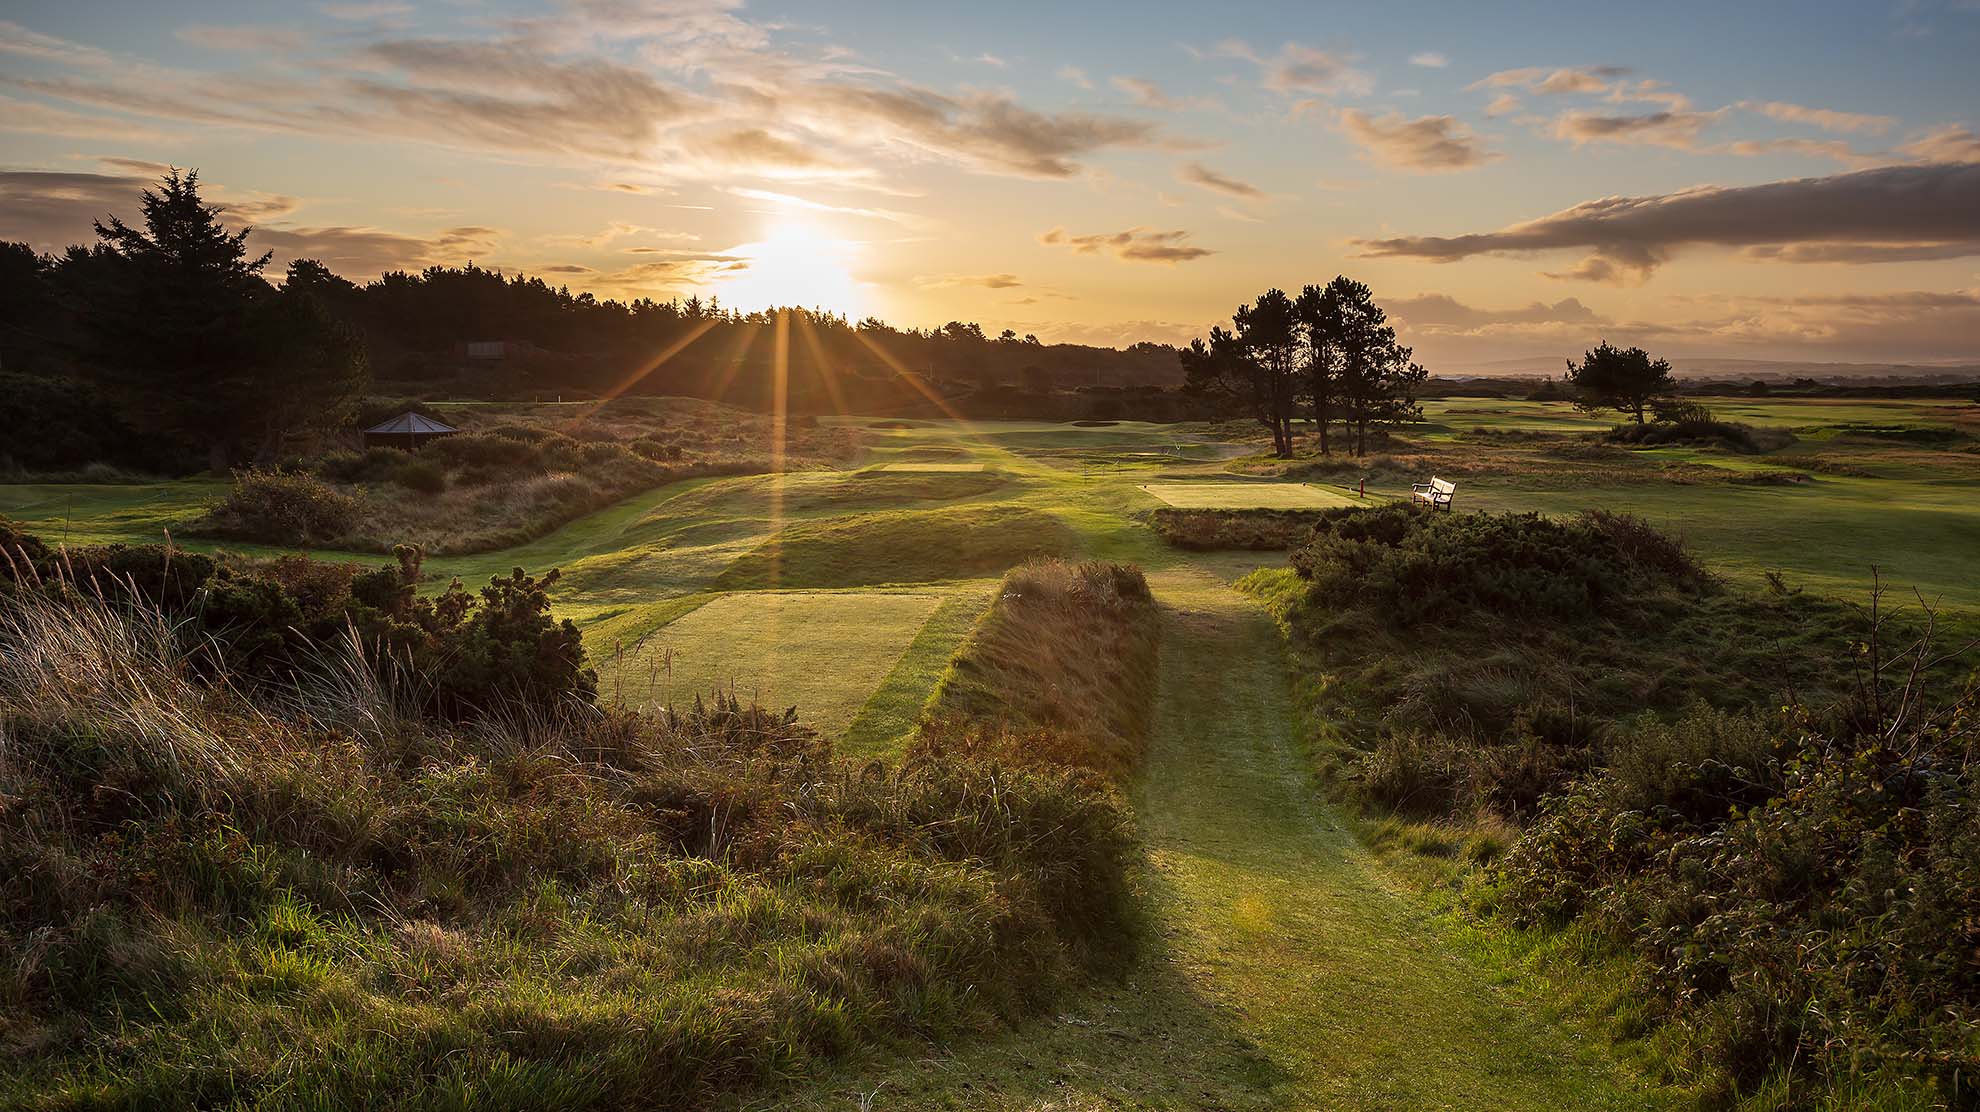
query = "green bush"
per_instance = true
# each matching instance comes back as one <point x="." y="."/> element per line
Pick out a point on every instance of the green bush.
<point x="1417" y="566"/>
<point x="282" y="507"/>
<point x="1798" y="897"/>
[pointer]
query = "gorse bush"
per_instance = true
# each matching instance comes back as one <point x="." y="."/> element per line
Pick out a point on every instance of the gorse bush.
<point x="282" y="507"/>
<point x="1796" y="895"/>
<point x="457" y="654"/>
<point x="1447" y="567"/>
<point x="311" y="893"/>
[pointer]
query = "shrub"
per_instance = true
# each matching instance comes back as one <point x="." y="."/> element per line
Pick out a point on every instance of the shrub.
<point x="282" y="507"/>
<point x="420" y="475"/>
<point x="1233" y="529"/>
<point x="372" y="465"/>
<point x="1418" y="565"/>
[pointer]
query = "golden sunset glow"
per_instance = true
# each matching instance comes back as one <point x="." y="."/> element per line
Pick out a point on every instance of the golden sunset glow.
<point x="794" y="265"/>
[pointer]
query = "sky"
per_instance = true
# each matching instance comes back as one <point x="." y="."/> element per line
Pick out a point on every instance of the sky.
<point x="1515" y="181"/>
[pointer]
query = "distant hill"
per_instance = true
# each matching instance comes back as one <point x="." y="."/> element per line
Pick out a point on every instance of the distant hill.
<point x="1768" y="369"/>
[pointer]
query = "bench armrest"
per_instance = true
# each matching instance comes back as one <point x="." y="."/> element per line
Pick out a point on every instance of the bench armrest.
<point x="1419" y="487"/>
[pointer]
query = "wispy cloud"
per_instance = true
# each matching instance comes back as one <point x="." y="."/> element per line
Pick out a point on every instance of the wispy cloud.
<point x="1895" y="213"/>
<point x="1303" y="69"/>
<point x="1136" y="245"/>
<point x="1196" y="173"/>
<point x="1426" y="144"/>
<point x="1431" y="58"/>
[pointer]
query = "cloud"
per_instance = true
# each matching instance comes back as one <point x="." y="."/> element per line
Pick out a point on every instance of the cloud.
<point x="1431" y="58"/>
<point x="1196" y="173"/>
<point x="49" y="210"/>
<point x="985" y="281"/>
<point x="42" y="119"/>
<point x="1951" y="143"/>
<point x="1303" y="69"/>
<point x="242" y="40"/>
<point x="1847" y="122"/>
<point x="1146" y="93"/>
<point x="793" y="201"/>
<point x="1075" y="75"/>
<point x="684" y="89"/>
<point x="1136" y="245"/>
<point x="1902" y="209"/>
<point x="1539" y="79"/>
<point x="362" y="12"/>
<point x="1680" y="130"/>
<point x="1441" y="311"/>
<point x="1427" y="144"/>
<point x="1503" y="104"/>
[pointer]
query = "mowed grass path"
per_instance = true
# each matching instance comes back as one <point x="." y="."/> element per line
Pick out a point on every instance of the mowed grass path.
<point x="1284" y="970"/>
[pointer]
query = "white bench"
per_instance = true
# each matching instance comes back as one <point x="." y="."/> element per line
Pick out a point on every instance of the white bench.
<point x="1437" y="492"/>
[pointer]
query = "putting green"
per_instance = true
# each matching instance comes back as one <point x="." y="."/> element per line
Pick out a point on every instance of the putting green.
<point x="823" y="652"/>
<point x="934" y="467"/>
<point x="1247" y="496"/>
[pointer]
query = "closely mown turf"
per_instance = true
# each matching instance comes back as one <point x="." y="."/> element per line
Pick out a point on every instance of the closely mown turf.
<point x="822" y="651"/>
<point x="900" y="546"/>
<point x="1242" y="496"/>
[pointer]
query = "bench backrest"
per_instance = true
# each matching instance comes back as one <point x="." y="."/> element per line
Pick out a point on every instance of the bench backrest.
<point x="1442" y="486"/>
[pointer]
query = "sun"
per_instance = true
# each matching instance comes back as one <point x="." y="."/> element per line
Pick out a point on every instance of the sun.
<point x="794" y="264"/>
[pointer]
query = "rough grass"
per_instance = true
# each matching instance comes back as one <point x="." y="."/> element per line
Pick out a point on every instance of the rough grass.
<point x="1254" y="530"/>
<point x="901" y="546"/>
<point x="516" y="472"/>
<point x="1061" y="670"/>
<point x="322" y="902"/>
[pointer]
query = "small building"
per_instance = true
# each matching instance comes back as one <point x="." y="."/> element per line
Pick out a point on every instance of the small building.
<point x="486" y="350"/>
<point x="406" y="431"/>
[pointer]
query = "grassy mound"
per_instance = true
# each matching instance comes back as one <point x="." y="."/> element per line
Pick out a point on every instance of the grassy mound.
<point x="1060" y="671"/>
<point x="901" y="546"/>
<point x="513" y="474"/>
<point x="318" y="898"/>
<point x="1233" y="529"/>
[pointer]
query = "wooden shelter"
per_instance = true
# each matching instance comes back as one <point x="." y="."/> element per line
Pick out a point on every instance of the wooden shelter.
<point x="407" y="431"/>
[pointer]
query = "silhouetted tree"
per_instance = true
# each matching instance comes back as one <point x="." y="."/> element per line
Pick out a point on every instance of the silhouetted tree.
<point x="1370" y="376"/>
<point x="182" y="322"/>
<point x="1612" y="378"/>
<point x="1318" y="311"/>
<point x="1268" y="330"/>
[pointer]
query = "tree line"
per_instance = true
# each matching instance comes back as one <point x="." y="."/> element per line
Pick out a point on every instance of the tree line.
<point x="170" y="341"/>
<point x="1328" y="353"/>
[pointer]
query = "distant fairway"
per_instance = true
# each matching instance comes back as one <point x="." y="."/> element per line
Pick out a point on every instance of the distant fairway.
<point x="822" y="652"/>
<point x="1247" y="496"/>
<point x="933" y="467"/>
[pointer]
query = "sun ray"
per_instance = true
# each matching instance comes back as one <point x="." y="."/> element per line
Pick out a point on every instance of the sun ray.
<point x="627" y="383"/>
<point x="827" y="375"/>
